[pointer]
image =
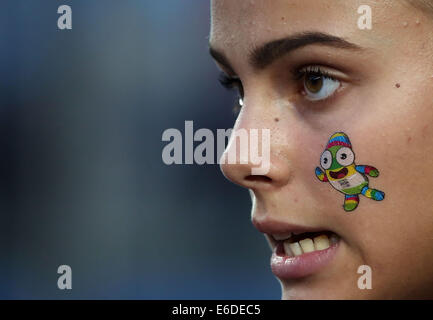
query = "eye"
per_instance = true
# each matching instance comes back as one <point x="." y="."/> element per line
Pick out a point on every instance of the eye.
<point x="326" y="160"/>
<point x="318" y="84"/>
<point x="230" y="83"/>
<point x="345" y="156"/>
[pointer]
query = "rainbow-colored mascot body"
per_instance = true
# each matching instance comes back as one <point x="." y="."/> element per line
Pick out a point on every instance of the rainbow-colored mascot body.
<point x="344" y="175"/>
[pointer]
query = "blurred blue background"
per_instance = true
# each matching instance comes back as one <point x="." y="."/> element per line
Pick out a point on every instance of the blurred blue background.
<point x="82" y="181"/>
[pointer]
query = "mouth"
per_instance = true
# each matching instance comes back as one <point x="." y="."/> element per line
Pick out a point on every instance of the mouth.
<point x="340" y="174"/>
<point x="300" y="254"/>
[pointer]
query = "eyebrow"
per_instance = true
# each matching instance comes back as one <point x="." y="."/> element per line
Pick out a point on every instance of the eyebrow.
<point x="221" y="59"/>
<point x="263" y="56"/>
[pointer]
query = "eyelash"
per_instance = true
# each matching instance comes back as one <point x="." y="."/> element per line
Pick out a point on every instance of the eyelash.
<point x="312" y="69"/>
<point x="231" y="83"/>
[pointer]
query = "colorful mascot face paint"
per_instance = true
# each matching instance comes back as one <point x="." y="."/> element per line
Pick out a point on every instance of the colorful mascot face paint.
<point x="344" y="175"/>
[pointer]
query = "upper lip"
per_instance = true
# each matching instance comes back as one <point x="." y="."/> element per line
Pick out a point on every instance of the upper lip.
<point x="277" y="227"/>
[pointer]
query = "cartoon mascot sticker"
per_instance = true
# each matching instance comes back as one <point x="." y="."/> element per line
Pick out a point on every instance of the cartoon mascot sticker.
<point x="338" y="161"/>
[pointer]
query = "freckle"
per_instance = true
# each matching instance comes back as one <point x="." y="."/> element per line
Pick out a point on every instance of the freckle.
<point x="282" y="18"/>
<point x="296" y="199"/>
<point x="276" y="119"/>
<point x="409" y="139"/>
<point x="397" y="85"/>
<point x="405" y="24"/>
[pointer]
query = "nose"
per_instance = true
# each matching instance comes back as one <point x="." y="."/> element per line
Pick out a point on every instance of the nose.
<point x="243" y="169"/>
<point x="243" y="175"/>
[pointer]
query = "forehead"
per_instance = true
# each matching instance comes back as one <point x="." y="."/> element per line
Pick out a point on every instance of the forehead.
<point x="238" y="26"/>
<point x="252" y="21"/>
<point x="247" y="17"/>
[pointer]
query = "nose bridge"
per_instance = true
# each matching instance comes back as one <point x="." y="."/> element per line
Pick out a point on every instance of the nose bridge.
<point x="252" y="133"/>
<point x="259" y="111"/>
<point x="259" y="159"/>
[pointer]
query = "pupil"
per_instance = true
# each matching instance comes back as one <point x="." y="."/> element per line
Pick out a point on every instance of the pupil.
<point x="343" y="156"/>
<point x="314" y="83"/>
<point x="325" y="160"/>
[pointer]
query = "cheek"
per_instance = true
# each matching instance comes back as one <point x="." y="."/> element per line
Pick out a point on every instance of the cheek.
<point x="398" y="140"/>
<point x="395" y="235"/>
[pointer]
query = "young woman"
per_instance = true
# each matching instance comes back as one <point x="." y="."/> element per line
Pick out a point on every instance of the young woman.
<point x="346" y="90"/>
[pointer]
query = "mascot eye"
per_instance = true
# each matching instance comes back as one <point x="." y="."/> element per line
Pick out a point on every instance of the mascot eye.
<point x="345" y="156"/>
<point x="326" y="160"/>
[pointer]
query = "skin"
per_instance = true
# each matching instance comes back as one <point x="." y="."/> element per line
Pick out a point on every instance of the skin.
<point x="384" y="104"/>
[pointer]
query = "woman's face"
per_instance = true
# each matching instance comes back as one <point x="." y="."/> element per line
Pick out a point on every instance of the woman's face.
<point x="327" y="76"/>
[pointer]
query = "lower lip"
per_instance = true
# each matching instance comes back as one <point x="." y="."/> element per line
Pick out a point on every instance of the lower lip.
<point x="285" y="267"/>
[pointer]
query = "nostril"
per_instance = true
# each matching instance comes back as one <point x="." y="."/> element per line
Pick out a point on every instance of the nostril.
<point x="258" y="178"/>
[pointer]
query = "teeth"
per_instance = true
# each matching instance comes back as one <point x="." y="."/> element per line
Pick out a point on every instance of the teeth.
<point x="307" y="245"/>
<point x="321" y="242"/>
<point x="295" y="248"/>
<point x="333" y="239"/>
<point x="287" y="249"/>
<point x="282" y="236"/>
